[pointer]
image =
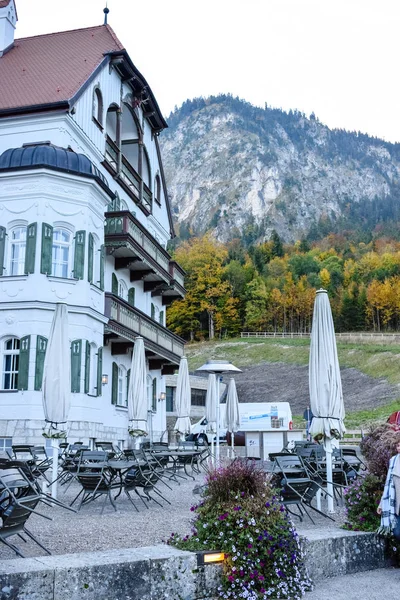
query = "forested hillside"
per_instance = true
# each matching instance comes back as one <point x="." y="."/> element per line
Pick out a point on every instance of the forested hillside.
<point x="271" y="286"/>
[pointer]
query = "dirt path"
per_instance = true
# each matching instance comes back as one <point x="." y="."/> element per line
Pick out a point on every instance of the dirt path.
<point x="279" y="382"/>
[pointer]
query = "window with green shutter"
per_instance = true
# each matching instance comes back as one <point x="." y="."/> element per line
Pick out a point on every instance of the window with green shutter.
<point x="131" y="296"/>
<point x="87" y="367"/>
<point x="30" y="252"/>
<point x="114" y="383"/>
<point x="76" y="352"/>
<point x="153" y="311"/>
<point x="90" y="257"/>
<point x="102" y="267"/>
<point x="79" y="257"/>
<point x="2" y="248"/>
<point x="161" y="318"/>
<point x="99" y="371"/>
<point x="47" y="249"/>
<point x="41" y="345"/>
<point x="23" y="363"/>
<point x="114" y="284"/>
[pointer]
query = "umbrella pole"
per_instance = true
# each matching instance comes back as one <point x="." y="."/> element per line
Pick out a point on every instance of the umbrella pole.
<point x="232" y="444"/>
<point x="218" y="417"/>
<point x="329" y="487"/>
<point x="54" y="445"/>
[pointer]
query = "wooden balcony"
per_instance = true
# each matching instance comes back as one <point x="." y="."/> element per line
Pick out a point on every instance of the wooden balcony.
<point x="127" y="322"/>
<point x="111" y="156"/>
<point x="135" y="248"/>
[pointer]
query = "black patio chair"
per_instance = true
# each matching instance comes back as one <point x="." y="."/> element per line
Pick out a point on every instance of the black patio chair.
<point x="14" y="519"/>
<point x="95" y="478"/>
<point x="144" y="479"/>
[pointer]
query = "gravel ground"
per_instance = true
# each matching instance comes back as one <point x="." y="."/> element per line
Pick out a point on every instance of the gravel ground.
<point x="89" y="531"/>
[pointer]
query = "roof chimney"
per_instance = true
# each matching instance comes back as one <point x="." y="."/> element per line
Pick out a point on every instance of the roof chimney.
<point x="8" y="22"/>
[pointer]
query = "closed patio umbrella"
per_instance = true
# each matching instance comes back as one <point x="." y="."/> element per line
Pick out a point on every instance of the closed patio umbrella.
<point x="232" y="417"/>
<point x="137" y="391"/>
<point x="326" y="397"/>
<point x="56" y="386"/>
<point x="182" y="398"/>
<point x="211" y="407"/>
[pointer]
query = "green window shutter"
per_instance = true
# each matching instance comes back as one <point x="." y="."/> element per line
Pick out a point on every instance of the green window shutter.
<point x="30" y="251"/>
<point x="154" y="395"/>
<point x="102" y="267"/>
<point x="87" y="367"/>
<point x="99" y="371"/>
<point x="131" y="296"/>
<point x="23" y="363"/>
<point x="41" y="345"/>
<point x="79" y="258"/>
<point x="2" y="248"/>
<point x="90" y="258"/>
<point x="114" y="284"/>
<point x="47" y="249"/>
<point x="161" y="317"/>
<point x="128" y="378"/>
<point x="76" y="351"/>
<point x="153" y="311"/>
<point x="114" y="383"/>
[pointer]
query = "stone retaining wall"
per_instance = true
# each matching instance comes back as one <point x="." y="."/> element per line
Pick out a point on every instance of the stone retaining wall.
<point x="162" y="572"/>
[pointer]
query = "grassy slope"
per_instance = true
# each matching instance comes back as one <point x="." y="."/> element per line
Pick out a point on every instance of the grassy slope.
<point x="373" y="359"/>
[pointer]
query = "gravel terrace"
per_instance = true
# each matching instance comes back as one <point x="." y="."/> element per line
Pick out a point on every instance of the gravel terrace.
<point x="88" y="530"/>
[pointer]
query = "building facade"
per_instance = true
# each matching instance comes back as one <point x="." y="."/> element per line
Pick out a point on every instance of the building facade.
<point x="85" y="220"/>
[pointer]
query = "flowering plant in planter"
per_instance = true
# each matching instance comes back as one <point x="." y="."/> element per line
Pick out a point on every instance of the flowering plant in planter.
<point x="242" y="516"/>
<point x="361" y="499"/>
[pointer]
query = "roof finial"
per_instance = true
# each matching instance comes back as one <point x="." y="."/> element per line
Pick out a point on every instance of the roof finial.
<point x="106" y="10"/>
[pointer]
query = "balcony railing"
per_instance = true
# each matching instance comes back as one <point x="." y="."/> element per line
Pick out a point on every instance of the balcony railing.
<point x="112" y="153"/>
<point x="130" y="178"/>
<point x="140" y="324"/>
<point x="177" y="273"/>
<point x="147" y="197"/>
<point x="124" y="223"/>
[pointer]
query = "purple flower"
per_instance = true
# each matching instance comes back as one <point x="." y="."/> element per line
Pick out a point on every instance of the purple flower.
<point x="249" y="545"/>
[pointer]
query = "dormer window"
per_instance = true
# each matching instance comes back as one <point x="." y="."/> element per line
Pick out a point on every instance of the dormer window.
<point x="98" y="107"/>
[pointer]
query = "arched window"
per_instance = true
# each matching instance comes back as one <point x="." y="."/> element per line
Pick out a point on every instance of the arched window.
<point x="98" y="106"/>
<point x="17" y="250"/>
<point x="9" y="380"/>
<point x="112" y="123"/>
<point x="157" y="189"/>
<point x="146" y="169"/>
<point x="61" y="253"/>
<point x="130" y="137"/>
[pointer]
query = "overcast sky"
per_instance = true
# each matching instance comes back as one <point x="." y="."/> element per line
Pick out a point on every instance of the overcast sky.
<point x="338" y="58"/>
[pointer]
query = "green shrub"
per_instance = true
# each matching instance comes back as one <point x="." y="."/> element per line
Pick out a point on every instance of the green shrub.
<point x="241" y="515"/>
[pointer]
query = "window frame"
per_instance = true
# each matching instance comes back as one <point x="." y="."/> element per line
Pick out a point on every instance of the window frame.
<point x="98" y="107"/>
<point x="13" y="352"/>
<point x="17" y="243"/>
<point x="69" y="245"/>
<point x="122" y="387"/>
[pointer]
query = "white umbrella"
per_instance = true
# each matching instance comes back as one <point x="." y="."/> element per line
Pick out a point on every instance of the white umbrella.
<point x="326" y="397"/>
<point x="137" y="392"/>
<point x="56" y="386"/>
<point x="232" y="417"/>
<point x="182" y="398"/>
<point x="211" y="407"/>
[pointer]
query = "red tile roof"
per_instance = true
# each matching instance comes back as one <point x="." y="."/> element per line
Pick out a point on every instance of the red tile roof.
<point x="51" y="68"/>
<point x="4" y="3"/>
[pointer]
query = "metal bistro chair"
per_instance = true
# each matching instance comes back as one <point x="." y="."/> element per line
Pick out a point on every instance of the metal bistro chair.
<point x="298" y="489"/>
<point x="144" y="476"/>
<point x="95" y="478"/>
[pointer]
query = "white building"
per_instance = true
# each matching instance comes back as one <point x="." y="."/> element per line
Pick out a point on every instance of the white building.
<point x="84" y="219"/>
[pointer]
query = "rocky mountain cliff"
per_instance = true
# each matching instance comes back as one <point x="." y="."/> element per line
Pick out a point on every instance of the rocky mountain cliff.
<point x="242" y="171"/>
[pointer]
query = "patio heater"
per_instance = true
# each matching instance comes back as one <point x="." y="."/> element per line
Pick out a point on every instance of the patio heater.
<point x="218" y="367"/>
